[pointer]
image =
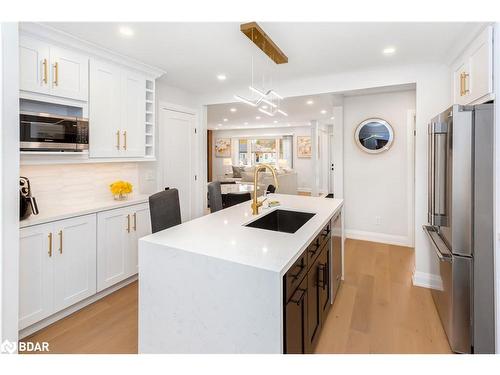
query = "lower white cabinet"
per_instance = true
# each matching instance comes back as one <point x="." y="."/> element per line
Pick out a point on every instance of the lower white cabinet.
<point x="56" y="267"/>
<point x="66" y="261"/>
<point x="117" y="243"/>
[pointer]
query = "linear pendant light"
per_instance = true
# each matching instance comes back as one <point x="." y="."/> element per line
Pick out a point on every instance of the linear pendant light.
<point x="246" y="101"/>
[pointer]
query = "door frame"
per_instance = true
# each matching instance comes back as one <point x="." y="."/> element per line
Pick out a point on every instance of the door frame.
<point x="410" y="176"/>
<point x="9" y="181"/>
<point x="196" y="191"/>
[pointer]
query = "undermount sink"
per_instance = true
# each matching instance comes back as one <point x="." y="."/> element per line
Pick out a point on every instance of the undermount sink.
<point x="282" y="221"/>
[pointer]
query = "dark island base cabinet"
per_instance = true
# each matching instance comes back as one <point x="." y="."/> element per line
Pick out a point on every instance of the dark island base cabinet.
<point x="308" y="290"/>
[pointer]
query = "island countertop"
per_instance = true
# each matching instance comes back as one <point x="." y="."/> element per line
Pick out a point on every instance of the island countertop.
<point x="223" y="234"/>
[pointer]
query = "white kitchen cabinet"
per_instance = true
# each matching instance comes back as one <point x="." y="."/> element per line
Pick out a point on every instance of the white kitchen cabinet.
<point x="104" y="109"/>
<point x="133" y="113"/>
<point x="36" y="276"/>
<point x="57" y="267"/>
<point x="118" y="233"/>
<point x="70" y="74"/>
<point x="48" y="69"/>
<point x="142" y="227"/>
<point x="34" y="66"/>
<point x="473" y="71"/>
<point x="74" y="260"/>
<point x="117" y="111"/>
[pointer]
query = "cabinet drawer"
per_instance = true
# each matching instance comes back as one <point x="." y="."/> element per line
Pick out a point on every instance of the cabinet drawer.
<point x="324" y="235"/>
<point x="294" y="275"/>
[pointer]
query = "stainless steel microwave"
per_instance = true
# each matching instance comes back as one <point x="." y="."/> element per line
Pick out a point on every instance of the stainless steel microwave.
<point x="48" y="132"/>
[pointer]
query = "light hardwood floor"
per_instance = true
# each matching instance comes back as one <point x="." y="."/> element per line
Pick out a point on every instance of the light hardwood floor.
<point x="377" y="311"/>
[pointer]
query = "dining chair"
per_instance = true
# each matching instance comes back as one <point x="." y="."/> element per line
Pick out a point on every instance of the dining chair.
<point x="165" y="211"/>
<point x="214" y="196"/>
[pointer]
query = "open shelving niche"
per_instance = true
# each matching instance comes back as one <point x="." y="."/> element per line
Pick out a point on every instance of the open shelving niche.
<point x="149" y="141"/>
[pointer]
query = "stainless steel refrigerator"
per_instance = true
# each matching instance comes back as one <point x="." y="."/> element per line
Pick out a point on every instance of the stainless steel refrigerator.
<point x="460" y="224"/>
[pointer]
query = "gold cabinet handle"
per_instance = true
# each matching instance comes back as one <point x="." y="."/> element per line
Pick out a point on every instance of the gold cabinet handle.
<point x="50" y="244"/>
<point x="461" y="84"/>
<point x="118" y="140"/>
<point x="45" y="72"/>
<point x="125" y="140"/>
<point x="56" y="74"/>
<point x="128" y="223"/>
<point x="466" y="86"/>
<point x="60" y="241"/>
<point x="135" y="221"/>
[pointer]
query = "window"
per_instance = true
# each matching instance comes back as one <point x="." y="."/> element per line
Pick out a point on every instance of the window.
<point x="276" y="151"/>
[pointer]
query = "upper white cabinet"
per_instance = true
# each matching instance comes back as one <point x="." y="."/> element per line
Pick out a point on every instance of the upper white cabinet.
<point x="117" y="111"/>
<point x="57" y="267"/>
<point x="51" y="70"/>
<point x="473" y="71"/>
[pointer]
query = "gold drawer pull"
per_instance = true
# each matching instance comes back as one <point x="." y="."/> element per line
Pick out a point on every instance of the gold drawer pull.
<point x="125" y="140"/>
<point x="128" y="223"/>
<point x="118" y="140"/>
<point x="50" y="244"/>
<point x="135" y="221"/>
<point x="60" y="241"/>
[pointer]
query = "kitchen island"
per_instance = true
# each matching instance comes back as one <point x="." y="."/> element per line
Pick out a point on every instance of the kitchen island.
<point x="215" y="285"/>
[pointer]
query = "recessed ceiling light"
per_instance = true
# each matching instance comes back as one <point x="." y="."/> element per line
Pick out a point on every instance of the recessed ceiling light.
<point x="388" y="50"/>
<point x="127" y="31"/>
<point x="233" y="109"/>
<point x="219" y="124"/>
<point x="323" y="111"/>
<point x="221" y="77"/>
<point x="310" y="102"/>
<point x="332" y="118"/>
<point x="275" y="121"/>
<point x="225" y="120"/>
<point x="245" y="123"/>
<point x="257" y="117"/>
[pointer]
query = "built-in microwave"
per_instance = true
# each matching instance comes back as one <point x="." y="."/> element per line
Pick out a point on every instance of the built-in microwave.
<point x="48" y="132"/>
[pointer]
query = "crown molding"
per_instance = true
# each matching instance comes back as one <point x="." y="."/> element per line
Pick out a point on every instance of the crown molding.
<point x="48" y="33"/>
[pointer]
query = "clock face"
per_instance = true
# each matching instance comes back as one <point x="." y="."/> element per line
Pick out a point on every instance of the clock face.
<point x="374" y="135"/>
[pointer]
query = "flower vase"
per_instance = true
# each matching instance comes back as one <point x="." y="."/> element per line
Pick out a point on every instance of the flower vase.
<point x="120" y="197"/>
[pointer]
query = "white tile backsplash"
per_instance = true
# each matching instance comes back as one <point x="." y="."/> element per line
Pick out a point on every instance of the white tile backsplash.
<point x="66" y="184"/>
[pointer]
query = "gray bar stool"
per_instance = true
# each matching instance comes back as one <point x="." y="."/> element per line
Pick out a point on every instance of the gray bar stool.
<point x="164" y="209"/>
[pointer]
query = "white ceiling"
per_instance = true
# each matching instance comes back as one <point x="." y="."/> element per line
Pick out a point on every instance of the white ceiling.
<point x="193" y="54"/>
<point x="300" y="112"/>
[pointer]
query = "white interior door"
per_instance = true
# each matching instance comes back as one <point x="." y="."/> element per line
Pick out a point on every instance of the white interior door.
<point x="176" y="155"/>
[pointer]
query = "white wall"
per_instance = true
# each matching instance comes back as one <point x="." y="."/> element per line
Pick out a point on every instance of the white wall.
<point x="496" y="88"/>
<point x="77" y="184"/>
<point x="376" y="185"/>
<point x="9" y="183"/>
<point x="303" y="166"/>
<point x="432" y="97"/>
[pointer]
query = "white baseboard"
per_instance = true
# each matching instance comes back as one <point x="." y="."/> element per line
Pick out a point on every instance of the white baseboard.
<point x="74" y="308"/>
<point x="378" y="237"/>
<point x="427" y="280"/>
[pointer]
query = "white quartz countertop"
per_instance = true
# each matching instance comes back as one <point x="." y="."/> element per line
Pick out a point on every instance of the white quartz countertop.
<point x="223" y="235"/>
<point x="64" y="211"/>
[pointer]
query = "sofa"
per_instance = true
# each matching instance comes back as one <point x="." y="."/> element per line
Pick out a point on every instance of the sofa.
<point x="287" y="179"/>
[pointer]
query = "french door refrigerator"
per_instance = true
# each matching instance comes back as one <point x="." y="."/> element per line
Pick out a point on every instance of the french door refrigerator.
<point x="460" y="224"/>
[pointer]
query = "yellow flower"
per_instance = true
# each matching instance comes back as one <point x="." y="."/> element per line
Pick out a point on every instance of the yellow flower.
<point x="121" y="187"/>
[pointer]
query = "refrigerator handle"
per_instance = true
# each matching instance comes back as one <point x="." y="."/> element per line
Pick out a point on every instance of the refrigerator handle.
<point x="439" y="246"/>
<point x="438" y="148"/>
<point x="430" y="175"/>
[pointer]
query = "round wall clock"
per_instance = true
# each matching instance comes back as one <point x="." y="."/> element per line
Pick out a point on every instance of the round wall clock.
<point x="374" y="135"/>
